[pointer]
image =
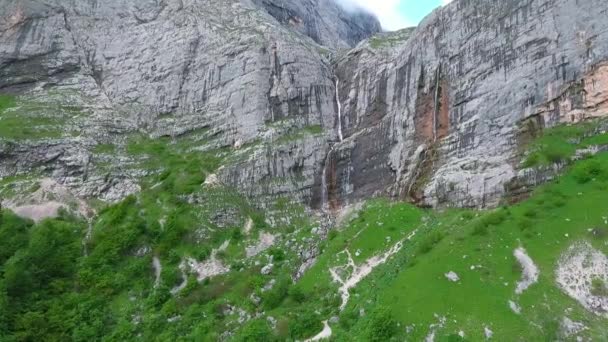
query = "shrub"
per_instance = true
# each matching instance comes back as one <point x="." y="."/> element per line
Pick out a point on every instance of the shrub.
<point x="296" y="293"/>
<point x="273" y="298"/>
<point x="380" y="326"/>
<point x="349" y="317"/>
<point x="555" y="154"/>
<point x="588" y="170"/>
<point x="256" y="330"/>
<point x="236" y="234"/>
<point x="481" y="227"/>
<point x="430" y="242"/>
<point x="524" y="224"/>
<point x="530" y="213"/>
<point x="532" y="160"/>
<point x="306" y="323"/>
<point x="467" y="216"/>
<point x="278" y="255"/>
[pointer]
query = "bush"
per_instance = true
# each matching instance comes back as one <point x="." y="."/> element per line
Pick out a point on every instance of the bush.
<point x="273" y="298"/>
<point x="236" y="235"/>
<point x="13" y="234"/>
<point x="532" y="160"/>
<point x="530" y="213"/>
<point x="555" y="154"/>
<point x="296" y="293"/>
<point x="255" y="331"/>
<point x="467" y="216"/>
<point x="349" y="317"/>
<point x="587" y="170"/>
<point x="307" y="323"/>
<point x="380" y="326"/>
<point x="481" y="227"/>
<point x="277" y="254"/>
<point x="430" y="242"/>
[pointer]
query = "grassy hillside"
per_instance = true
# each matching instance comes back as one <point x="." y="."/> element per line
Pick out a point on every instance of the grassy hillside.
<point x="54" y="287"/>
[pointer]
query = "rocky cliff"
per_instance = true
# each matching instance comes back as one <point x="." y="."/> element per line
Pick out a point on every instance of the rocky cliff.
<point x="222" y="71"/>
<point x="437" y="115"/>
<point x="433" y="114"/>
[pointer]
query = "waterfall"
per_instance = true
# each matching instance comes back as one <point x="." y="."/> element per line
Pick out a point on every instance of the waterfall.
<point x="340" y="137"/>
<point x="327" y="163"/>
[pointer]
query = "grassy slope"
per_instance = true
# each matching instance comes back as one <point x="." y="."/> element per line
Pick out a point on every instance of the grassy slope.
<point x="108" y="289"/>
<point x="31" y="120"/>
<point x="414" y="287"/>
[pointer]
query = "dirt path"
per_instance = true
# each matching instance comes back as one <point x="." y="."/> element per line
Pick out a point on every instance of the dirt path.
<point x="323" y="335"/>
<point x="183" y="284"/>
<point x="530" y="271"/>
<point x="158" y="268"/>
<point x="359" y="273"/>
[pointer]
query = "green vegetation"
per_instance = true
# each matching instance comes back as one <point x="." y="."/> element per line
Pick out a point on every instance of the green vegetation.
<point x="301" y="134"/>
<point x="31" y="120"/>
<point x="55" y="288"/>
<point x="390" y="39"/>
<point x="559" y="144"/>
<point x="104" y="148"/>
<point x="599" y="287"/>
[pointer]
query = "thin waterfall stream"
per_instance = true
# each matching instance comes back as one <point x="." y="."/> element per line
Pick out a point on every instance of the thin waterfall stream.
<point x="340" y="136"/>
<point x="327" y="162"/>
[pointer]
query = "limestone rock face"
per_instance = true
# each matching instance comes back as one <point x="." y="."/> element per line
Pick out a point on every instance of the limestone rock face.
<point x="436" y="117"/>
<point x="433" y="114"/>
<point x="324" y="21"/>
<point x="171" y="68"/>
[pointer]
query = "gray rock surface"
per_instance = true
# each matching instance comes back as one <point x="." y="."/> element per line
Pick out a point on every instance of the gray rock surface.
<point x="324" y="21"/>
<point x="437" y="117"/>
<point x="171" y="68"/>
<point x="434" y="114"/>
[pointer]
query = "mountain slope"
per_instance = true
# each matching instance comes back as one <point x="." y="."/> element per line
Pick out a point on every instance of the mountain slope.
<point x="252" y="170"/>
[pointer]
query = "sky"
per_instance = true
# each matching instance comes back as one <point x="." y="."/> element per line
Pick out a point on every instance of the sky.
<point x="397" y="14"/>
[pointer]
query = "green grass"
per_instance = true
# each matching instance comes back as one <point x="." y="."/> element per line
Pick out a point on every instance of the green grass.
<point x="6" y="101"/>
<point x="390" y="39"/>
<point x="599" y="287"/>
<point x="58" y="293"/>
<point x="415" y="289"/>
<point x="300" y="134"/>
<point x="560" y="143"/>
<point x="104" y="149"/>
<point x="30" y="120"/>
<point x="376" y="228"/>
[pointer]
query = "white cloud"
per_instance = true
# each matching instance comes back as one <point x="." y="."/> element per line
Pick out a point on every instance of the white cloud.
<point x="387" y="11"/>
<point x="445" y="2"/>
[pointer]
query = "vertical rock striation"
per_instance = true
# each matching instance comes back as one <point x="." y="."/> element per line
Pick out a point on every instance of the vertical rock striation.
<point x="444" y="105"/>
<point x="431" y="114"/>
